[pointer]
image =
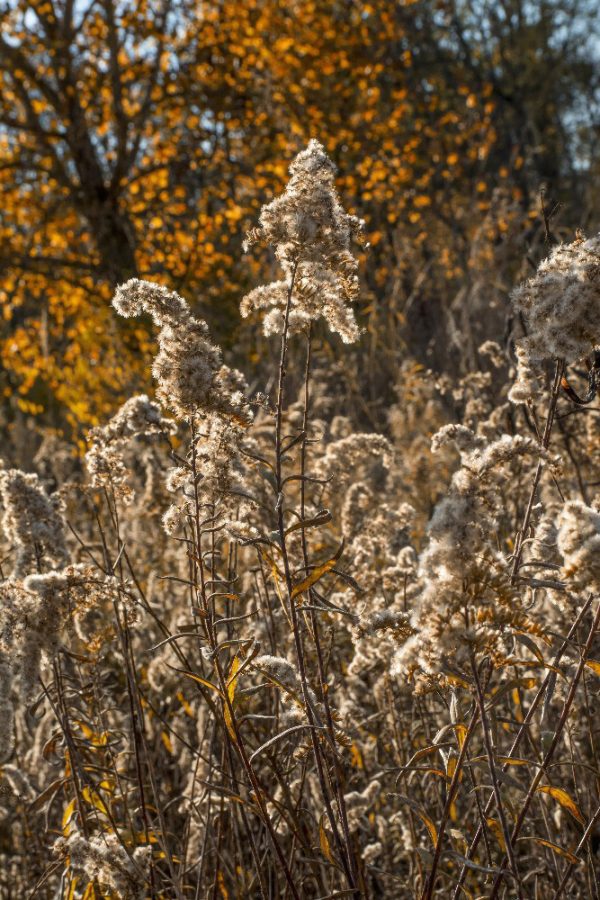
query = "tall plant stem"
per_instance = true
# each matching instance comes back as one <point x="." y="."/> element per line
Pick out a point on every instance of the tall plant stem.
<point x="517" y="741"/>
<point x="345" y="859"/>
<point x="238" y="741"/>
<point x="545" y="443"/>
<point x="339" y="781"/>
<point x="430" y="884"/>
<point x="580" y="846"/>
<point x="487" y="740"/>
<point x="543" y="769"/>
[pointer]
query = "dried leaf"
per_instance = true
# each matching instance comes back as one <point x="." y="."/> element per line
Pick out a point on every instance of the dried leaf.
<point x="496" y="829"/>
<point x="513" y="761"/>
<point x="68" y="814"/>
<point x="564" y="799"/>
<point x="199" y="679"/>
<point x="317" y="573"/>
<point x="324" y="843"/>
<point x="431" y="828"/>
<point x="46" y="794"/>
<point x="322" y="517"/>
<point x="554" y="847"/>
<point x="528" y="642"/>
<point x="489" y="870"/>
<point x="231" y="685"/>
<point x="429" y="825"/>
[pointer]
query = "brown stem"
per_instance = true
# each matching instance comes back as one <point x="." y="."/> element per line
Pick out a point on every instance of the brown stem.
<point x="313" y="619"/>
<point x="523" y="730"/>
<point x="584" y="838"/>
<point x="495" y="785"/>
<point x="553" y="744"/>
<point x="545" y="443"/>
<point x="345" y="859"/>
<point x="209" y="630"/>
<point x="430" y="884"/>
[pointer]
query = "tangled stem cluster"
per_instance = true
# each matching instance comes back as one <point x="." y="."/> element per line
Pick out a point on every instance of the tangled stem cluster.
<point x="280" y="654"/>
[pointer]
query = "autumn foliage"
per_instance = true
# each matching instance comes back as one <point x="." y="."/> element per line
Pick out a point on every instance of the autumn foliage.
<point x="141" y="139"/>
<point x="299" y="509"/>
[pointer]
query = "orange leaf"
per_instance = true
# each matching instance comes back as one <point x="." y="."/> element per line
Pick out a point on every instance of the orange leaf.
<point x="564" y="799"/>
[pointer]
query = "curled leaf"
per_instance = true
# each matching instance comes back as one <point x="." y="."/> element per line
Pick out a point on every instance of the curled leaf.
<point x="496" y="829"/>
<point x="231" y="686"/>
<point x="316" y="574"/>
<point x="564" y="799"/>
<point x="324" y="843"/>
<point x="199" y="679"/>
<point x="555" y="848"/>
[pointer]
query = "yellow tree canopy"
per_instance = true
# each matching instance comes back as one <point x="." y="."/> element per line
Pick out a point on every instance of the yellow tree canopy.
<point x="143" y="138"/>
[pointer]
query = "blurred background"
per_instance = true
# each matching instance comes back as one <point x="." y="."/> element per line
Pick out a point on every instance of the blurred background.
<point x="142" y="138"/>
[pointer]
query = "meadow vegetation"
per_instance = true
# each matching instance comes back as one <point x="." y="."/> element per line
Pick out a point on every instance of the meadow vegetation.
<point x="300" y="472"/>
<point x="249" y="650"/>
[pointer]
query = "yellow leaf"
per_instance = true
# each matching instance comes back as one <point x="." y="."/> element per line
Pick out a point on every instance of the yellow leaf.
<point x="424" y="818"/>
<point x="94" y="799"/>
<point x="555" y="848"/>
<point x="324" y="843"/>
<point x="231" y="680"/>
<point x="456" y="681"/>
<point x="564" y="799"/>
<point x="356" y="757"/>
<point x="167" y="741"/>
<point x="231" y="685"/>
<point x="68" y="815"/>
<point x="200" y="680"/>
<point x="496" y="829"/>
<point x="429" y="825"/>
<point x="422" y="200"/>
<point x="594" y="665"/>
<point x="87" y="731"/>
<point x="188" y="709"/>
<point x="222" y="887"/>
<point x="461" y="733"/>
<point x="316" y="574"/>
<point x="430" y="770"/>
<point x="451" y="767"/>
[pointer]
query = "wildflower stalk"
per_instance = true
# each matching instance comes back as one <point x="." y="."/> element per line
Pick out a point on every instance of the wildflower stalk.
<point x="136" y="727"/>
<point x="545" y="443"/>
<point x="63" y="720"/>
<point x="312" y="617"/>
<point x="208" y="625"/>
<point x="133" y="694"/>
<point x="580" y="846"/>
<point x="523" y="730"/>
<point x="543" y="769"/>
<point x="494" y="776"/>
<point x="344" y="852"/>
<point x="430" y="884"/>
